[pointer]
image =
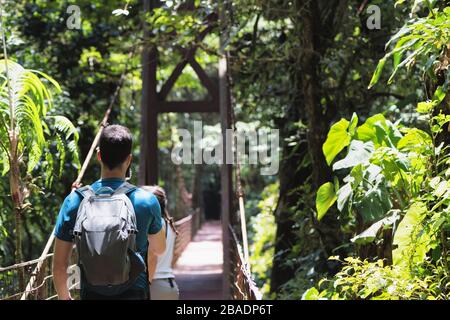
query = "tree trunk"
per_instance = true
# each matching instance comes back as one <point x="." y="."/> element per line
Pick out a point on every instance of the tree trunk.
<point x="17" y="199"/>
<point x="319" y="116"/>
<point x="315" y="31"/>
<point x="291" y="175"/>
<point x="317" y="122"/>
<point x="28" y="254"/>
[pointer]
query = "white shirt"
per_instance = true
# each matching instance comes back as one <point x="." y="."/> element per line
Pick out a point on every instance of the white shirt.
<point x="164" y="264"/>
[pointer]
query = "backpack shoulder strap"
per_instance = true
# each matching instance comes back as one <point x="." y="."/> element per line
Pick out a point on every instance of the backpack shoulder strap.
<point x="125" y="188"/>
<point x="85" y="191"/>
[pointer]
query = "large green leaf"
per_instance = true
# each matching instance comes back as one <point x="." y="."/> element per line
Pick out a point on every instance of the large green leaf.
<point x="326" y="197"/>
<point x="415" y="140"/>
<point x="377" y="74"/>
<point x="344" y="195"/>
<point x="376" y="202"/>
<point x="411" y="237"/>
<point x="380" y="131"/>
<point x="387" y="133"/>
<point x="359" y="152"/>
<point x="392" y="161"/>
<point x="370" y="234"/>
<point x="367" y="131"/>
<point x="338" y="138"/>
<point x="311" y="294"/>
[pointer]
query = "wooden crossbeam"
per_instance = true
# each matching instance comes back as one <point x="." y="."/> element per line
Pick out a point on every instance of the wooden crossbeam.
<point x="176" y="73"/>
<point x="189" y="58"/>
<point x="204" y="78"/>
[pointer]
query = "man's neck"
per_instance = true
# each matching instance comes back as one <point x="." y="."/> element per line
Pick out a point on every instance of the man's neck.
<point x="112" y="174"/>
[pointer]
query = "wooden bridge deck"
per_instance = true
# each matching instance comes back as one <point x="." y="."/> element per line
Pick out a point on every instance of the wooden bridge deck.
<point x="199" y="269"/>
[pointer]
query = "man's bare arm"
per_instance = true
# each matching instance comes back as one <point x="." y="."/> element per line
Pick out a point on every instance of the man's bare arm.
<point x="152" y="261"/>
<point x="63" y="251"/>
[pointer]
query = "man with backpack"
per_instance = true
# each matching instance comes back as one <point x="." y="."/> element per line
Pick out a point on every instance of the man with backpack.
<point x="114" y="226"/>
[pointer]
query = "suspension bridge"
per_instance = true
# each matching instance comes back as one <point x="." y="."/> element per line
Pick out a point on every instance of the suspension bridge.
<point x="211" y="257"/>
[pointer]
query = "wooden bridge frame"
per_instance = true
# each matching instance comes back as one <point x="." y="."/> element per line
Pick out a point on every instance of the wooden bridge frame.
<point x="154" y="103"/>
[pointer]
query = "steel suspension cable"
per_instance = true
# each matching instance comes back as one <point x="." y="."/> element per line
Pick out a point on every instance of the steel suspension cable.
<point x="239" y="189"/>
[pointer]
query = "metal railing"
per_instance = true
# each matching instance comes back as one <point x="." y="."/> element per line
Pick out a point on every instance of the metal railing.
<point x="242" y="285"/>
<point x="38" y="275"/>
<point x="38" y="272"/>
<point x="187" y="228"/>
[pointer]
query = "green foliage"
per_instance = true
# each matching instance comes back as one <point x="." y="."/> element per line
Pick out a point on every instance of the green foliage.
<point x="387" y="179"/>
<point x="422" y="41"/>
<point x="394" y="178"/>
<point x="410" y="230"/>
<point x="338" y="138"/>
<point x="326" y="197"/>
<point x="399" y="183"/>
<point x="386" y="169"/>
<point x="263" y="239"/>
<point x="376" y="281"/>
<point x="373" y="164"/>
<point x="31" y="107"/>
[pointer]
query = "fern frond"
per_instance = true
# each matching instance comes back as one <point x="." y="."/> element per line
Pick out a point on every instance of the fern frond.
<point x="31" y="100"/>
<point x="61" y="152"/>
<point x="64" y="125"/>
<point x="73" y="149"/>
<point x="34" y="155"/>
<point x="49" y="169"/>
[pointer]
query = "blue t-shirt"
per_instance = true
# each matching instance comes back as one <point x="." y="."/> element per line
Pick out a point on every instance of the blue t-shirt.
<point x="146" y="207"/>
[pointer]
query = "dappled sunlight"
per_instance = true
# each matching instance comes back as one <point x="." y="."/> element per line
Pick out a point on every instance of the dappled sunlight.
<point x="200" y="267"/>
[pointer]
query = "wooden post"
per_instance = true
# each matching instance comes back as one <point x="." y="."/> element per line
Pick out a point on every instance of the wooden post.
<point x="226" y="169"/>
<point x="148" y="162"/>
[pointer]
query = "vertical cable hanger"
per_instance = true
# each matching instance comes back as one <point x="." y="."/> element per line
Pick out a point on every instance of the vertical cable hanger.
<point x="239" y="189"/>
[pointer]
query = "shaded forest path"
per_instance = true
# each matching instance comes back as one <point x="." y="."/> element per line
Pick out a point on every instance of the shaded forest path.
<point x="199" y="270"/>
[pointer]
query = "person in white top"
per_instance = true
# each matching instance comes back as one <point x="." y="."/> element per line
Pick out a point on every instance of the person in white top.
<point x="163" y="285"/>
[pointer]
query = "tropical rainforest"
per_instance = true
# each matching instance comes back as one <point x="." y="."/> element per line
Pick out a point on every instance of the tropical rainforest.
<point x="358" y="90"/>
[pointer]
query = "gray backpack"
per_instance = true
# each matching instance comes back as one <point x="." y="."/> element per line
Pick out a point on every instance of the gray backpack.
<point x="105" y="237"/>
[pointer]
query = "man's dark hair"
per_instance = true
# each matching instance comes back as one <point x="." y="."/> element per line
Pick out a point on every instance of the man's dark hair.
<point x="115" y="145"/>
